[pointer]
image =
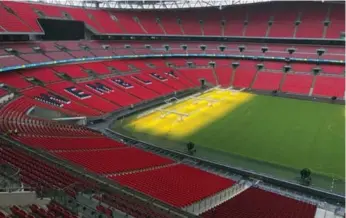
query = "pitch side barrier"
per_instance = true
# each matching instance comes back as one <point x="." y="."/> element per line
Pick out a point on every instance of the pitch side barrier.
<point x="103" y="58"/>
<point x="322" y="195"/>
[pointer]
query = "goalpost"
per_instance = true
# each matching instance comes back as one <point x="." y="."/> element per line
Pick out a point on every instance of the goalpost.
<point x="210" y="101"/>
<point x="164" y="113"/>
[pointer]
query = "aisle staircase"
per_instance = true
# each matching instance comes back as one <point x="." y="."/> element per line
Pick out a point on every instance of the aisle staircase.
<point x="215" y="200"/>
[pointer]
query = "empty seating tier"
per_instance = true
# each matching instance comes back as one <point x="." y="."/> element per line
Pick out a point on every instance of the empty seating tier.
<point x="297" y="83"/>
<point x="258" y="25"/>
<point x="73" y="71"/>
<point x="171" y="81"/>
<point x="99" y="68"/>
<point x="329" y="86"/>
<point x="151" y="83"/>
<point x="53" y="209"/>
<point x="118" y="65"/>
<point x="114" y="161"/>
<point x="25" y="12"/>
<point x="311" y="22"/>
<point x="283" y="23"/>
<point x="59" y="55"/>
<point x="44" y="175"/>
<point x="47" y="98"/>
<point x="11" y="23"/>
<point x="337" y="22"/>
<point x="224" y="75"/>
<point x="111" y="93"/>
<point x="45" y="75"/>
<point x="35" y="58"/>
<point x="14" y="118"/>
<point x="267" y="81"/>
<point x="250" y="20"/>
<point x="14" y="80"/>
<point x="274" y="66"/>
<point x="333" y="69"/>
<point x="70" y="143"/>
<point x="126" y="84"/>
<point x="195" y="75"/>
<point x="256" y="203"/>
<point x="26" y="53"/>
<point x="78" y="94"/>
<point x="304" y="68"/>
<point x="243" y="77"/>
<point x="179" y="185"/>
<point x="11" y="60"/>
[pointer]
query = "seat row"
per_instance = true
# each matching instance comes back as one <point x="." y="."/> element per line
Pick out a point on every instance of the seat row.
<point x="119" y="159"/>
<point x="98" y="96"/>
<point x="52" y="210"/>
<point x="176" y="184"/>
<point x="257" y="203"/>
<point x="110" y="94"/>
<point x="26" y="56"/>
<point x="46" y="98"/>
<point x="179" y="185"/>
<point x="129" y="205"/>
<point x="51" y="48"/>
<point x="47" y="75"/>
<point x="321" y="21"/>
<point x="13" y="120"/>
<point x="113" y="160"/>
<point x="46" y="177"/>
<point x="40" y="175"/>
<point x="69" y="143"/>
<point x="297" y="83"/>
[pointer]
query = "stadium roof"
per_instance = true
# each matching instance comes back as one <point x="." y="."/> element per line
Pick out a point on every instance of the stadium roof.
<point x="150" y="4"/>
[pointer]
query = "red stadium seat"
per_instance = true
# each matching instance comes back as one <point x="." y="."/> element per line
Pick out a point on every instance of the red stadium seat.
<point x="114" y="160"/>
<point x="136" y="181"/>
<point x="267" y="81"/>
<point x="329" y="86"/>
<point x="258" y="203"/>
<point x="166" y="184"/>
<point x="224" y="75"/>
<point x="297" y="83"/>
<point x="195" y="75"/>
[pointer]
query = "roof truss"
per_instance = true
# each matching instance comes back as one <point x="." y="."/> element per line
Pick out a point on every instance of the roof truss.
<point x="147" y="5"/>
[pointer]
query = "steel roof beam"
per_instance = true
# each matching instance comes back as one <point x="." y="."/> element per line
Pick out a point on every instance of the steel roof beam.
<point x="142" y="4"/>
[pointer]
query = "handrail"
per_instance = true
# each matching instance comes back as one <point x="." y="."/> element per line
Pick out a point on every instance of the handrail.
<point x="118" y="57"/>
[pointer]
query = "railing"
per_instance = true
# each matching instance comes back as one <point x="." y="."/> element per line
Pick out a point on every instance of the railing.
<point x="217" y="199"/>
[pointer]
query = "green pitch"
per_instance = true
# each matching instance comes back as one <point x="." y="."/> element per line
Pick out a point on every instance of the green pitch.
<point x="288" y="133"/>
